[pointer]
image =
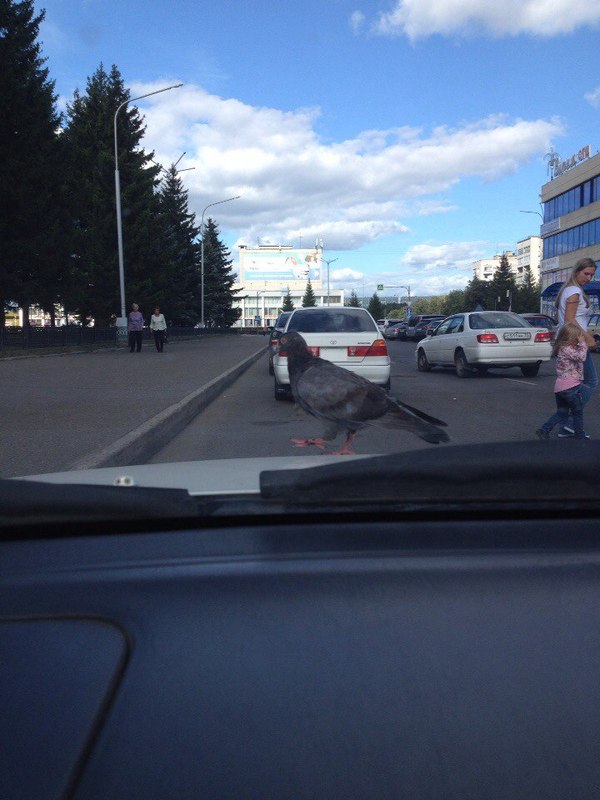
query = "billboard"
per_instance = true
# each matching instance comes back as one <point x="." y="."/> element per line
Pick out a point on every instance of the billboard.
<point x="281" y="265"/>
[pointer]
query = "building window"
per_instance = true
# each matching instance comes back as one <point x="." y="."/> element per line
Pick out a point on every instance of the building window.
<point x="572" y="239"/>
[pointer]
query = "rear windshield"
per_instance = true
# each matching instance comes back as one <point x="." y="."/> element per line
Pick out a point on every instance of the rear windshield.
<point x="282" y="319"/>
<point x="496" y="319"/>
<point x="347" y="320"/>
<point x="538" y="322"/>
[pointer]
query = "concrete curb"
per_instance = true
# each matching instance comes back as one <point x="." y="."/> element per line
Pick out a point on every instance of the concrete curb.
<point x="140" y="444"/>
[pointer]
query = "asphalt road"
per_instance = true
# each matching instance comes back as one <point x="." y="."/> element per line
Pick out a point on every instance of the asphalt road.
<point x="247" y="421"/>
<point x="57" y="409"/>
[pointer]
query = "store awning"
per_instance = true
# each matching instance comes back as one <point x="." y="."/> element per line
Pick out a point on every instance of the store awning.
<point x="550" y="292"/>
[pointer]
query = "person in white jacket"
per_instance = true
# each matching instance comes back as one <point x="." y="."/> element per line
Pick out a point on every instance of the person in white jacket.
<point x="158" y="326"/>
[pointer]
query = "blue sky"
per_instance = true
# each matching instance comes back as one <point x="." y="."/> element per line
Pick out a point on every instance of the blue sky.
<point x="407" y="135"/>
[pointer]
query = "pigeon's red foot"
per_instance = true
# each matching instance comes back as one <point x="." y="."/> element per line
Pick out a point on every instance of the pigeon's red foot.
<point x="345" y="448"/>
<point x="307" y="443"/>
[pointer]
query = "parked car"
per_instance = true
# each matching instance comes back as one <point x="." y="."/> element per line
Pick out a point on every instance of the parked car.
<point x="349" y="337"/>
<point x="276" y="332"/>
<point x="384" y="324"/>
<point x="542" y="321"/>
<point x="414" y="321"/>
<point x="397" y="331"/>
<point x="388" y="324"/>
<point x="476" y="341"/>
<point x="594" y="328"/>
<point x="432" y="325"/>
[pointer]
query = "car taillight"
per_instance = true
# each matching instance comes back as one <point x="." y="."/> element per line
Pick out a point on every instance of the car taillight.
<point x="314" y="351"/>
<point x="543" y="336"/>
<point x="378" y="348"/>
<point x="282" y="353"/>
<point x="487" y="338"/>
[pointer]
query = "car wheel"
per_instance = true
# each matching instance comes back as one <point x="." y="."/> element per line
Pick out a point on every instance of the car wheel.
<point x="423" y="364"/>
<point x="530" y="370"/>
<point x="387" y="387"/>
<point x="271" y="370"/>
<point x="463" y="369"/>
<point x="280" y="392"/>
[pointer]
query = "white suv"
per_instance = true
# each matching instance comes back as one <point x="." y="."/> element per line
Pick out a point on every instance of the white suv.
<point x="349" y="337"/>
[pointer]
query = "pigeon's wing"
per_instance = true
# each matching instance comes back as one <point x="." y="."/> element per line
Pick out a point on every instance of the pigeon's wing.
<point x="336" y="394"/>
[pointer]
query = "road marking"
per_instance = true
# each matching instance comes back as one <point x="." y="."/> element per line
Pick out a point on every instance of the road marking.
<point x="516" y="380"/>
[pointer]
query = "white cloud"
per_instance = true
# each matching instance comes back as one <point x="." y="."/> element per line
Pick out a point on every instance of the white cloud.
<point x="432" y="269"/>
<point x="357" y="20"/>
<point x="420" y="18"/>
<point x="350" y="192"/>
<point x="593" y="97"/>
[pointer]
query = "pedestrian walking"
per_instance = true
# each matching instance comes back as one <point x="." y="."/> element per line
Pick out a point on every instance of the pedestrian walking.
<point x="158" y="327"/>
<point x="135" y="326"/>
<point x="574" y="306"/>
<point x="571" y="350"/>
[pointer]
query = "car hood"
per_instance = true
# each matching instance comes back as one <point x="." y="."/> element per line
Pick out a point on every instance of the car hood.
<point x="233" y="476"/>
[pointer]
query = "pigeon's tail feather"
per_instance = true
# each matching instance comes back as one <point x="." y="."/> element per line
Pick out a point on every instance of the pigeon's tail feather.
<point x="435" y="437"/>
<point x="422" y="425"/>
<point x="418" y="413"/>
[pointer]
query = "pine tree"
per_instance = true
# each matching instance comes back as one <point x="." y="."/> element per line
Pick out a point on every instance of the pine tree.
<point x="503" y="285"/>
<point x="177" y="285"/>
<point x="527" y="297"/>
<point x="218" y="280"/>
<point x="353" y="302"/>
<point x="375" y="307"/>
<point x="309" y="300"/>
<point x="91" y="164"/>
<point x="287" y="305"/>
<point x="29" y="166"/>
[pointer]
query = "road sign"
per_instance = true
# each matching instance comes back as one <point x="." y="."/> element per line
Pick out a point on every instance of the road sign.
<point x="380" y="287"/>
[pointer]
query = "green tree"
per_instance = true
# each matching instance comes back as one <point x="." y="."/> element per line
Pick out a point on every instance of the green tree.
<point x="91" y="188"/>
<point x="176" y="286"/>
<point x="454" y="302"/>
<point x="309" y="300"/>
<point x="478" y="293"/>
<point x="375" y="307"/>
<point x="287" y="305"/>
<point x="29" y="166"/>
<point x="218" y="280"/>
<point x="503" y="285"/>
<point x="527" y="296"/>
<point x="353" y="302"/>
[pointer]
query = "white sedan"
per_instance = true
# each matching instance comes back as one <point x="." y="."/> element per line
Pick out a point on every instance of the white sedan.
<point x="477" y="340"/>
<point x="347" y="336"/>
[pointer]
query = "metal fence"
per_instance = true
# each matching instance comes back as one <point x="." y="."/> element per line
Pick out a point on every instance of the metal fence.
<point x="13" y="338"/>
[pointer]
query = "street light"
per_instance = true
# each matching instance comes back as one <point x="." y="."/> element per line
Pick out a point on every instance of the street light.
<point x="122" y="322"/>
<point x="532" y="212"/>
<point x="210" y="205"/>
<point x="328" y="262"/>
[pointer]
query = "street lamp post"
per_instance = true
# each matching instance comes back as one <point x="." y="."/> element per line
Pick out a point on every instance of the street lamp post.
<point x="210" y="205"/>
<point x="532" y="212"/>
<point x="328" y="262"/>
<point x="122" y="321"/>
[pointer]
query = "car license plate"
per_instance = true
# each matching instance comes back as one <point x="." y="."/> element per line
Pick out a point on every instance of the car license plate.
<point x="521" y="336"/>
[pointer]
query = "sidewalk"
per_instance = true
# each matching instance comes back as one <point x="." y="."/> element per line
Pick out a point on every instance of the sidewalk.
<point x="62" y="411"/>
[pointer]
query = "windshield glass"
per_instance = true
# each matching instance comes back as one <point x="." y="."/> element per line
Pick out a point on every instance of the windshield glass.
<point x="345" y="320"/>
<point x="494" y="320"/>
<point x="181" y="184"/>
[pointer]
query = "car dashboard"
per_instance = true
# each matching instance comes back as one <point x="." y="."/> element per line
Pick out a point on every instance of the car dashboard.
<point x="368" y="656"/>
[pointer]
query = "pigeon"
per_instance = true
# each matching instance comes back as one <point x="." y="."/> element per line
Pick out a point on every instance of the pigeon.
<point x="347" y="402"/>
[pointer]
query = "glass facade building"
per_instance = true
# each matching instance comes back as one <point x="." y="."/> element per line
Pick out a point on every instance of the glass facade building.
<point x="571" y="226"/>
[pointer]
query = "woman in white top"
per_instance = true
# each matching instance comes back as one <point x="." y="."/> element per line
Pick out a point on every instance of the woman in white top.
<point x="574" y="306"/>
<point x="158" y="327"/>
